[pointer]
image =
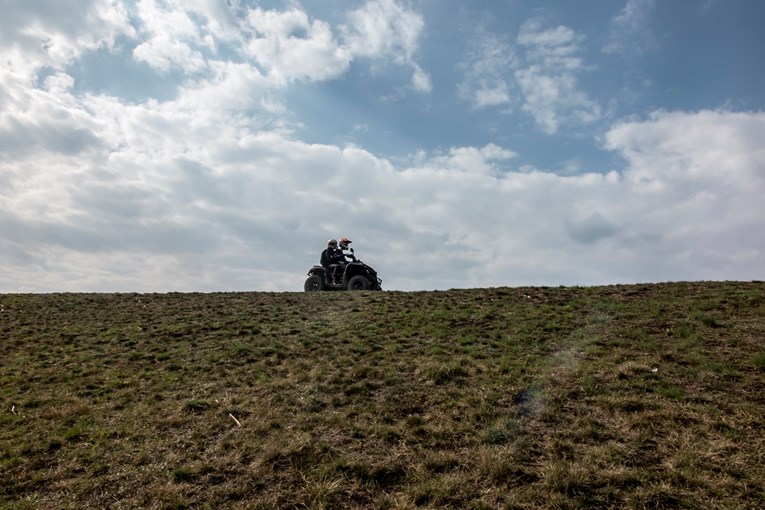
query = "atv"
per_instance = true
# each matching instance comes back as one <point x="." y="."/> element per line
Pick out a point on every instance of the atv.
<point x="356" y="276"/>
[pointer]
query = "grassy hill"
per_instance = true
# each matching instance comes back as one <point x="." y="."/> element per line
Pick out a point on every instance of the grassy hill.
<point x="643" y="396"/>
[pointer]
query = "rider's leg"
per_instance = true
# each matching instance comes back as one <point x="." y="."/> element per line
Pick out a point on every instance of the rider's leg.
<point x="333" y="273"/>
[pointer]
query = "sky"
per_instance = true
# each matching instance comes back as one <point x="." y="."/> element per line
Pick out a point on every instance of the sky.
<point x="216" y="145"/>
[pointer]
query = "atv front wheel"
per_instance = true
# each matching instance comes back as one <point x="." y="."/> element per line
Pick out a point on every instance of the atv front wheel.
<point x="358" y="282"/>
<point x="313" y="283"/>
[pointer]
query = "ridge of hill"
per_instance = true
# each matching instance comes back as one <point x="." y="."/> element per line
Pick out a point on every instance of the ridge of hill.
<point x="627" y="396"/>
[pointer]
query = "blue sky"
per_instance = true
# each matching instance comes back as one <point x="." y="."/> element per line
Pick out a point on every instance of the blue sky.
<point x="158" y="145"/>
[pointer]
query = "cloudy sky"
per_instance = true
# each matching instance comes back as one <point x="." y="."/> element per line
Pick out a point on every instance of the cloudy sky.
<point x="215" y="145"/>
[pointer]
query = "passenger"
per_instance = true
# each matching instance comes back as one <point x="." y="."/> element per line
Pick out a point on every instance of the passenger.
<point x="331" y="259"/>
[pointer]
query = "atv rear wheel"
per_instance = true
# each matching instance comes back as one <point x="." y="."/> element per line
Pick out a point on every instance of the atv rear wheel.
<point x="358" y="282"/>
<point x="313" y="283"/>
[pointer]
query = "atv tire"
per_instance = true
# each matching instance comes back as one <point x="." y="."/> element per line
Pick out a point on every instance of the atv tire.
<point x="313" y="283"/>
<point x="358" y="282"/>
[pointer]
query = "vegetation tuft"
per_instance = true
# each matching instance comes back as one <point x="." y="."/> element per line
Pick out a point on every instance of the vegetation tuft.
<point x="629" y="396"/>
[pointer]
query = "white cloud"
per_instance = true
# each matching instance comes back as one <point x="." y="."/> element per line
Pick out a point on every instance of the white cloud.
<point x="696" y="152"/>
<point x="44" y="119"/>
<point x="180" y="36"/>
<point x="548" y="43"/>
<point x="699" y="178"/>
<point x="549" y="79"/>
<point x="291" y="47"/>
<point x="215" y="18"/>
<point x="166" y="54"/>
<point x="482" y="161"/>
<point x="53" y="33"/>
<point x="384" y="29"/>
<point x="285" y="45"/>
<point x="540" y="73"/>
<point x="169" y="18"/>
<point x="630" y="31"/>
<point x="421" y="80"/>
<point x="487" y="69"/>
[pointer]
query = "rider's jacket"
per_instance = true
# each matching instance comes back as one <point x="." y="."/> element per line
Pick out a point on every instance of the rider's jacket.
<point x="331" y="256"/>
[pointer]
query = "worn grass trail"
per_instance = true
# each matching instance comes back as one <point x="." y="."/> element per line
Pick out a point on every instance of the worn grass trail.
<point x="644" y="396"/>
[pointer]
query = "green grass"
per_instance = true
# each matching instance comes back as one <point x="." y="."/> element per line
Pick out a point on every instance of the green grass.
<point x="635" y="396"/>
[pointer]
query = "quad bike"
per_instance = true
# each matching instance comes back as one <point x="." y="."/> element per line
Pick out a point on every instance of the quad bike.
<point x="355" y="276"/>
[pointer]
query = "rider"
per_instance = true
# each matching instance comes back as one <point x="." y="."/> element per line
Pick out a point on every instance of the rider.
<point x="332" y="258"/>
<point x="344" y="242"/>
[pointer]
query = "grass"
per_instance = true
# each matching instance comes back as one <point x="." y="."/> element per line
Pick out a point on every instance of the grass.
<point x="640" y="396"/>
